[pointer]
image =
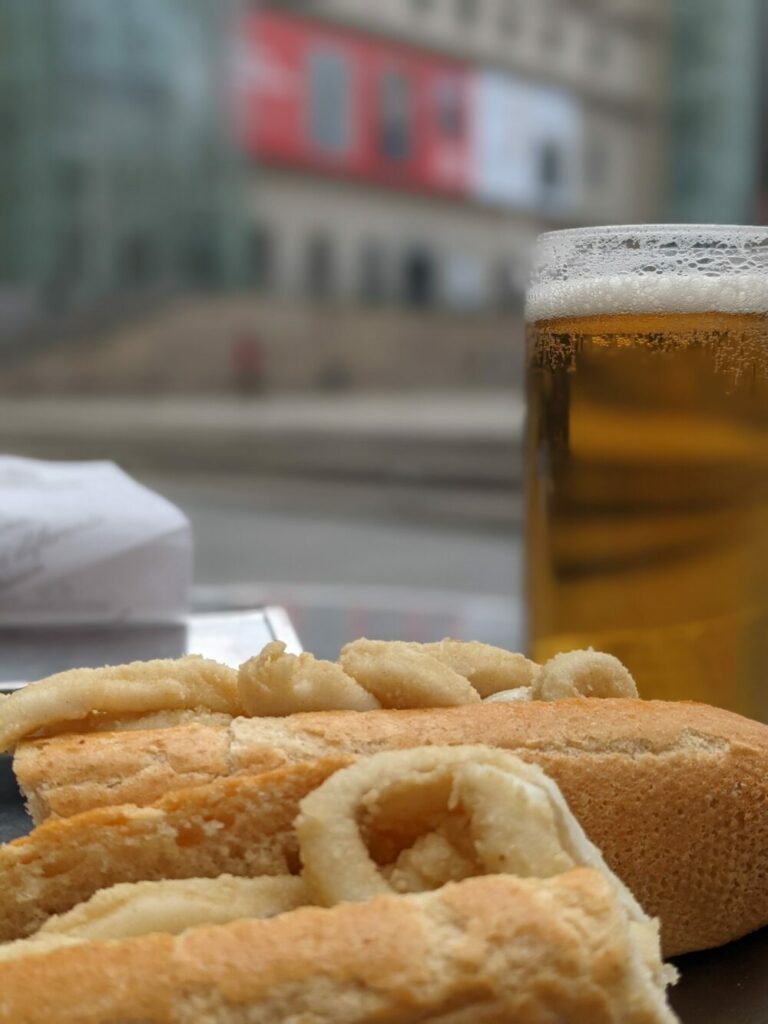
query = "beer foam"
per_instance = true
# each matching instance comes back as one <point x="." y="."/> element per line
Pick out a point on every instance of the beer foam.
<point x="648" y="293"/>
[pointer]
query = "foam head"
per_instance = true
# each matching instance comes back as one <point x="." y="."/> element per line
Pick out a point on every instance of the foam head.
<point x="666" y="268"/>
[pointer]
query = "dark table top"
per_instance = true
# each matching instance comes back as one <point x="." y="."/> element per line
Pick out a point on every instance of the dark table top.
<point x="728" y="985"/>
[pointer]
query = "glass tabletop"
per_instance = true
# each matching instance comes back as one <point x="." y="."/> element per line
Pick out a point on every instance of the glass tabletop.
<point x="228" y="636"/>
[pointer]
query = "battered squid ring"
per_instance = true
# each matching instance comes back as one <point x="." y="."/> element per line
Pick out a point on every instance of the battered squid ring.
<point x="583" y="674"/>
<point x="276" y="683"/>
<point x="517" y="823"/>
<point x="139" y="688"/>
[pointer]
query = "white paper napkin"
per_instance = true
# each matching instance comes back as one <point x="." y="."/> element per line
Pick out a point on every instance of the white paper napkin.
<point x="84" y="542"/>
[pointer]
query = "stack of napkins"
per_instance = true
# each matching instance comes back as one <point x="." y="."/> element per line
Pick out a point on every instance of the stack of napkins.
<point x="84" y="542"/>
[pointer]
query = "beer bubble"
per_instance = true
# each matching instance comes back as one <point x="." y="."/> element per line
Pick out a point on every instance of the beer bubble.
<point x="648" y="293"/>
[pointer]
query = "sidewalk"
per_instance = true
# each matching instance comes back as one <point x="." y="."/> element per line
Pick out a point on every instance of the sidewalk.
<point x="458" y="437"/>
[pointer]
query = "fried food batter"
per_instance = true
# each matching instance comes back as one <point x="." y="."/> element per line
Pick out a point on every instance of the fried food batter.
<point x="275" y="683"/>
<point x="405" y="675"/>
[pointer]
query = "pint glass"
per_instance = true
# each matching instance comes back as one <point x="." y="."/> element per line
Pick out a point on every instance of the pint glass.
<point x="647" y="459"/>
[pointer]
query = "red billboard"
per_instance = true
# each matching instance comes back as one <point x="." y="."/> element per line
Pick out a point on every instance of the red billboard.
<point x="317" y="96"/>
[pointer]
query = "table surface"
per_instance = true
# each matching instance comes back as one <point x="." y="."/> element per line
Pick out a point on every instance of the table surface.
<point x="728" y="985"/>
<point x="228" y="636"/>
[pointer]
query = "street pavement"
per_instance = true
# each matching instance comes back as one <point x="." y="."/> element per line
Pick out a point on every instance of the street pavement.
<point x="257" y="530"/>
<point x="468" y="437"/>
<point x="347" y="560"/>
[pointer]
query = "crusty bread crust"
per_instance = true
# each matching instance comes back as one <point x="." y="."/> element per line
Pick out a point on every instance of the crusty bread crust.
<point x="674" y="794"/>
<point x="80" y="771"/>
<point x="67" y="774"/>
<point x="240" y="826"/>
<point x="486" y="951"/>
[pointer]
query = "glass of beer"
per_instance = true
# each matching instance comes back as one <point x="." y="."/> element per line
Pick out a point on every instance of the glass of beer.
<point x="647" y="459"/>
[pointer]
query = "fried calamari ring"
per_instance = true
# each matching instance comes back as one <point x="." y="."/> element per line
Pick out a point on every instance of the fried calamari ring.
<point x="441" y="856"/>
<point x="489" y="669"/>
<point x="371" y="674"/>
<point x="583" y="674"/>
<point x="451" y="811"/>
<point x="404" y="675"/>
<point x="275" y="683"/>
<point x="131" y="909"/>
<point x="135" y="689"/>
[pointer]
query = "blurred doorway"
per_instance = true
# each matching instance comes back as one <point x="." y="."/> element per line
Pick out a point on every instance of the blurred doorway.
<point x="419" y="277"/>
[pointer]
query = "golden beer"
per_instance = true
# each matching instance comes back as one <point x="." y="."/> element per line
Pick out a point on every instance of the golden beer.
<point x="647" y="465"/>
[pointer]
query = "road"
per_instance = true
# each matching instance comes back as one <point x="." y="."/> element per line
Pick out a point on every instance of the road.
<point x="349" y="558"/>
<point x="466" y="437"/>
<point x="262" y="529"/>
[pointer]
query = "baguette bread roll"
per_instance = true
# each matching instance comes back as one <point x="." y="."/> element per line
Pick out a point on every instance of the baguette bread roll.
<point x="674" y="794"/>
<point x="240" y="826"/>
<point x="64" y="775"/>
<point x="485" y="951"/>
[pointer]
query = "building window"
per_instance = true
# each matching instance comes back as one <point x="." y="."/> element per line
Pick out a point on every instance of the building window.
<point x="78" y="30"/>
<point x="509" y="16"/>
<point x="261" y="256"/>
<point x="70" y="256"/>
<point x="550" y="165"/>
<point x="551" y="171"/>
<point x="598" y="50"/>
<point x="394" y="116"/>
<point x="135" y="261"/>
<point x="449" y="106"/>
<point x="694" y="37"/>
<point x="329" y="94"/>
<point x="552" y="31"/>
<point x="467" y="11"/>
<point x="419" y="278"/>
<point x="509" y="293"/>
<point x="199" y="263"/>
<point x="9" y="121"/>
<point x="373" y="273"/>
<point x="319" y="271"/>
<point x="67" y="269"/>
<point x="70" y="180"/>
<point x="463" y="281"/>
<point x="597" y="170"/>
<point x="138" y="47"/>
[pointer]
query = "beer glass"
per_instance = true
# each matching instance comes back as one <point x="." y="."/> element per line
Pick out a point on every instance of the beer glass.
<point x="647" y="459"/>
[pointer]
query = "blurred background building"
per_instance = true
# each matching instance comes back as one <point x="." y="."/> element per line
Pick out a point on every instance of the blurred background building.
<point x="358" y="184"/>
<point x="409" y="152"/>
<point x="715" y="100"/>
<point x="118" y="182"/>
<point x="201" y="196"/>
<point x="271" y="256"/>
